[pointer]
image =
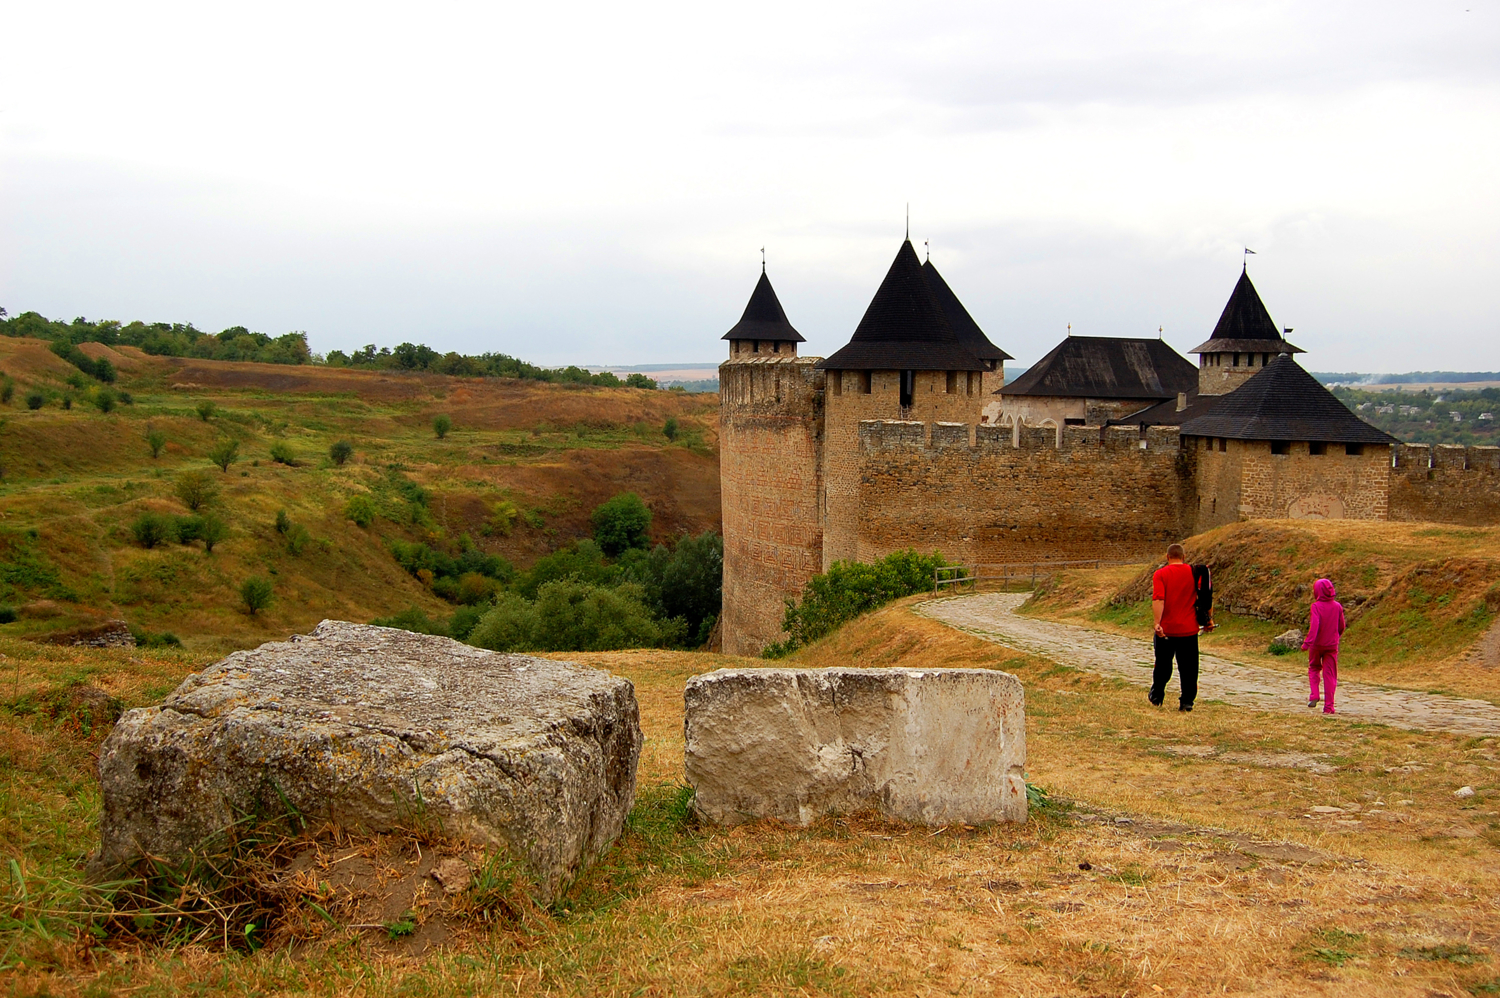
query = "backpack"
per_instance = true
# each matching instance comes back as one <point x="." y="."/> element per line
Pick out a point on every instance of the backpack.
<point x="1203" y="595"/>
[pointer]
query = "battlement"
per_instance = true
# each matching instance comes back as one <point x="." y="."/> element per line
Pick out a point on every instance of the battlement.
<point x="1445" y="457"/>
<point x="771" y="385"/>
<point x="879" y="436"/>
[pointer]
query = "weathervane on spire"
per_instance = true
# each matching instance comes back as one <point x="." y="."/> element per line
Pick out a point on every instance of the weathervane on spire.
<point x="1070" y="329"/>
<point x="927" y="245"/>
<point x="1159" y="331"/>
<point x="1248" y="254"/>
<point x="908" y="221"/>
<point x="762" y="259"/>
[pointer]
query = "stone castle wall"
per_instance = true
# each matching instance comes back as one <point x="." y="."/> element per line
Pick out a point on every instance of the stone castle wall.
<point x="846" y="407"/>
<point x="1243" y="480"/>
<point x="974" y="495"/>
<point x="770" y="461"/>
<point x="1446" y="484"/>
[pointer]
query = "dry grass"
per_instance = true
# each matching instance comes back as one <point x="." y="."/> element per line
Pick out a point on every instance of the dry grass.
<point x="1218" y="883"/>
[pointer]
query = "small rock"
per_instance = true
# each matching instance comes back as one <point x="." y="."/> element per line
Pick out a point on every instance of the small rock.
<point x="452" y="875"/>
<point x="1123" y="821"/>
<point x="1464" y="792"/>
<point x="1085" y="866"/>
<point x="1326" y="809"/>
<point x="1287" y="641"/>
<point x="824" y="942"/>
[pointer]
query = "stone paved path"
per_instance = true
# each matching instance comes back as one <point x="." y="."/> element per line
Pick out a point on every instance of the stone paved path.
<point x="992" y="616"/>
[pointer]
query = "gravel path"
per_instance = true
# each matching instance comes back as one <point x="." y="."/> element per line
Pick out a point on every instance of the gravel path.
<point x="992" y="616"/>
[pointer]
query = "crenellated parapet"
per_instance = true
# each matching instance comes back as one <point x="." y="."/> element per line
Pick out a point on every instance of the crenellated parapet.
<point x="1446" y="483"/>
<point x="878" y="436"/>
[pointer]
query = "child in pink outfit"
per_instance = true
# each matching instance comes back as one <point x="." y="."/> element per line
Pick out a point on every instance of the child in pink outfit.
<point x="1324" y="625"/>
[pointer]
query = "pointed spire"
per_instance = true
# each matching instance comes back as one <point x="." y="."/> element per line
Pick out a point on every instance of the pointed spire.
<point x="764" y="318"/>
<point x="1245" y="325"/>
<point x="959" y="318"/>
<point x="904" y="328"/>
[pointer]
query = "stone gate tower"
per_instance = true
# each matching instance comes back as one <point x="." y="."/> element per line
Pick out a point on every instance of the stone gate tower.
<point x="770" y="471"/>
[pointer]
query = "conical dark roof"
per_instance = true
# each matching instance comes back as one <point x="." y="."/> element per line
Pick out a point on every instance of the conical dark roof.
<point x="969" y="333"/>
<point x="1245" y="325"/>
<point x="904" y="328"/>
<point x="764" y="318"/>
<point x="1108" y="367"/>
<point x="1284" y="402"/>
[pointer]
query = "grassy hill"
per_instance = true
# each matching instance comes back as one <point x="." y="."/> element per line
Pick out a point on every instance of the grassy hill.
<point x="518" y="474"/>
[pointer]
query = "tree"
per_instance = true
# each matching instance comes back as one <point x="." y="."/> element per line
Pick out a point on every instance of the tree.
<point x="283" y="522"/>
<point x="225" y="453"/>
<point x="256" y="594"/>
<point x="669" y="428"/>
<point x="156" y="440"/>
<point x="441" y="426"/>
<point x="104" y="370"/>
<point x="622" y="523"/>
<point x="639" y="380"/>
<point x="7" y="389"/>
<point x="206" y="410"/>
<point x="212" y="530"/>
<point x="281" y="453"/>
<point x="151" y="529"/>
<point x="105" y="399"/>
<point x="35" y="400"/>
<point x="196" y="489"/>
<point x="340" y="452"/>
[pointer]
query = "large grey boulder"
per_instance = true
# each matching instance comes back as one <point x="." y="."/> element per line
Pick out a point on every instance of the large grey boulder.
<point x="933" y="747"/>
<point x="377" y="728"/>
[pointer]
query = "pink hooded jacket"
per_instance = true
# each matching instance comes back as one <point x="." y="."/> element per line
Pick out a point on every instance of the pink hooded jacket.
<point x="1326" y="621"/>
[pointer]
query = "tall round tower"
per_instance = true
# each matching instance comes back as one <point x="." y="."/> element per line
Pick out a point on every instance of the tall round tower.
<point x="770" y="472"/>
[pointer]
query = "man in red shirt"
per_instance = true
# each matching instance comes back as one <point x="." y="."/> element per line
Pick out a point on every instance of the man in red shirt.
<point x="1174" y="598"/>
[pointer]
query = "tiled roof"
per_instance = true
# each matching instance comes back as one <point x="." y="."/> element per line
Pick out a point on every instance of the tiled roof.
<point x="969" y="333"/>
<point x="1108" y="367"/>
<point x="904" y="328"/>
<point x="764" y="318"/>
<point x="1283" y="402"/>
<point x="1245" y="325"/>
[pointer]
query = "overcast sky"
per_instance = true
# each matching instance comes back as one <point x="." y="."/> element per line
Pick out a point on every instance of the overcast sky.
<point x="593" y="183"/>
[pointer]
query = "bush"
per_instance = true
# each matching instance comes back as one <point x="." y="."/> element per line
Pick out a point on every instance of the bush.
<point x="212" y="530"/>
<point x="297" y="538"/>
<point x="848" y="589"/>
<point x="149" y="639"/>
<point x="441" y="426"/>
<point x="188" y="529"/>
<point x="503" y="520"/>
<point x="283" y="522"/>
<point x="104" y="370"/>
<point x="583" y="561"/>
<point x="206" y="410"/>
<point x="361" y="510"/>
<point x="463" y="621"/>
<point x="196" y="489"/>
<point x="151" y="529"/>
<point x="505" y="626"/>
<point x="7" y="614"/>
<point x="156" y="440"/>
<point x="685" y="582"/>
<point x="281" y="453"/>
<point x="622" y="523"/>
<point x="67" y="402"/>
<point x="638" y="380"/>
<point x="256" y="594"/>
<point x="7" y="389"/>
<point x="35" y="400"/>
<point x="340" y="453"/>
<point x="104" y="400"/>
<point x="225" y="453"/>
<point x="669" y="428"/>
<point x="575" y="616"/>
<point x="127" y="399"/>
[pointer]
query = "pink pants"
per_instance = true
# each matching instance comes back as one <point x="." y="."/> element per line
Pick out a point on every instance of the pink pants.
<point x="1324" y="662"/>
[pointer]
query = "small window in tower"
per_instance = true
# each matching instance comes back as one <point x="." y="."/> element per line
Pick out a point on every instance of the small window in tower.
<point x="836" y="383"/>
<point x="1281" y="446"/>
<point x="1236" y="360"/>
<point x="1265" y="359"/>
<point x="952" y="385"/>
<point x="776" y="347"/>
<point x="755" y="346"/>
<point x="1317" y="447"/>
<point x="1223" y="445"/>
<point x="908" y="388"/>
<point x="865" y="386"/>
<point x="969" y="380"/>
<point x="1354" y="450"/>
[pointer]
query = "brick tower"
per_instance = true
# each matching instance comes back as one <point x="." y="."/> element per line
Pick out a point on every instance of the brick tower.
<point x="770" y="471"/>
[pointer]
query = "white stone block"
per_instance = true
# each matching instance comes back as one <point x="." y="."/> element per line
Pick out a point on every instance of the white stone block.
<point x="932" y="747"/>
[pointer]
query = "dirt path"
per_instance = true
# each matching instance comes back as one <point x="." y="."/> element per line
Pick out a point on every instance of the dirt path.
<point x="992" y="616"/>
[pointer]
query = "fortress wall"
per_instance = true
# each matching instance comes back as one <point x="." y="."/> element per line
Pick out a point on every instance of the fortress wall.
<point x="846" y="410"/>
<point x="1301" y="485"/>
<point x="1217" y="476"/>
<point x="1446" y="484"/>
<point x="1091" y="494"/>
<point x="770" y="440"/>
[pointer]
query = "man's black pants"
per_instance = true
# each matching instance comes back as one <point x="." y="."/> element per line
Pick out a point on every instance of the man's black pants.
<point x="1185" y="650"/>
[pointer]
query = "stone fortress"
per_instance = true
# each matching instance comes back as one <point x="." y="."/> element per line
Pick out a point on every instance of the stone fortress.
<point x="1108" y="447"/>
